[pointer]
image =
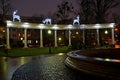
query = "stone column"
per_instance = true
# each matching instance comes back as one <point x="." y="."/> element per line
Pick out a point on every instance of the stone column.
<point x="69" y="38"/>
<point x="41" y="38"/>
<point x="8" y="39"/>
<point x="25" y="38"/>
<point x="113" y="38"/>
<point x="98" y="37"/>
<point x="56" y="38"/>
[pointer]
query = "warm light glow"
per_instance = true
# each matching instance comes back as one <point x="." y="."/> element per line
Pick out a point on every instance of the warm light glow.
<point x="21" y="38"/>
<point x="117" y="46"/>
<point x="49" y="32"/>
<point x="59" y="38"/>
<point x="60" y="54"/>
<point x="107" y="59"/>
<point x="23" y="35"/>
<point x="22" y="60"/>
<point x="19" y="34"/>
<point x="3" y="31"/>
<point x="106" y="32"/>
<point x="29" y="35"/>
<point x="117" y="60"/>
<point x="36" y="41"/>
<point x="116" y="29"/>
<point x="77" y="33"/>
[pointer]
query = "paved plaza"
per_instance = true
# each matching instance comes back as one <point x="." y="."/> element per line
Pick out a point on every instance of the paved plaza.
<point x="50" y="67"/>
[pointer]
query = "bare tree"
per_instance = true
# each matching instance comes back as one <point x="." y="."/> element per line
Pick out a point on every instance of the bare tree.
<point x="95" y="10"/>
<point x="4" y="9"/>
<point x="85" y="10"/>
<point x="102" y="7"/>
<point x="116" y="19"/>
<point x="64" y="11"/>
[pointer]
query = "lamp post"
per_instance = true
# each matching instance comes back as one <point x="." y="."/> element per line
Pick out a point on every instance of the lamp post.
<point x="49" y="32"/>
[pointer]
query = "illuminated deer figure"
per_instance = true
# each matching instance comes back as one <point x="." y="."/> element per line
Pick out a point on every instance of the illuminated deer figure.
<point x="77" y="20"/>
<point x="16" y="16"/>
<point x="47" y="21"/>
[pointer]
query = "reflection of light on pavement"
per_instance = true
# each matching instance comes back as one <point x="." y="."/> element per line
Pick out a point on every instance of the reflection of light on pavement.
<point x="60" y="54"/>
<point x="4" y="58"/>
<point x="107" y="59"/>
<point x="117" y="60"/>
<point x="4" y="64"/>
<point x="98" y="59"/>
<point x="3" y="67"/>
<point x="22" y="60"/>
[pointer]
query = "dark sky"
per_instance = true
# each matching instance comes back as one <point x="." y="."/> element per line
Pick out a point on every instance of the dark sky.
<point x="37" y="7"/>
<point x="33" y="7"/>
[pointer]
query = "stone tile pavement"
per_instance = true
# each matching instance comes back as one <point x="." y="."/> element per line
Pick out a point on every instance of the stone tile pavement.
<point x="51" y="67"/>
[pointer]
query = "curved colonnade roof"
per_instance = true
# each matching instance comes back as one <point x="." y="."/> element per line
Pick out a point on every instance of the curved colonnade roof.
<point x="57" y="26"/>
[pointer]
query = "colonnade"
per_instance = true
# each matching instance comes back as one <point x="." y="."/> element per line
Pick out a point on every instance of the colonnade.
<point x="112" y="36"/>
<point x="55" y="37"/>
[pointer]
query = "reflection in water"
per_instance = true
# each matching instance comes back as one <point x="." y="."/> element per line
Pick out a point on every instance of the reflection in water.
<point x="60" y="54"/>
<point x="101" y="59"/>
<point x="9" y="65"/>
<point x="3" y="68"/>
<point x="107" y="59"/>
<point x="117" y="60"/>
<point x="22" y="60"/>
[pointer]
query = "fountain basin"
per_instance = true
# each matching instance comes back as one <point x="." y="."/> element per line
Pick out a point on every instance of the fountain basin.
<point x="101" y="62"/>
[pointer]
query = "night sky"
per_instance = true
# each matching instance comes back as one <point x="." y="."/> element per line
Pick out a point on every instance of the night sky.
<point x="37" y="7"/>
<point x="33" y="7"/>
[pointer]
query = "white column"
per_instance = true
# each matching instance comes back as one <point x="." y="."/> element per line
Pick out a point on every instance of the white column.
<point x="25" y="38"/>
<point x="98" y="37"/>
<point x="69" y="38"/>
<point x="113" y="38"/>
<point x="56" y="38"/>
<point x="8" y="38"/>
<point x="41" y="38"/>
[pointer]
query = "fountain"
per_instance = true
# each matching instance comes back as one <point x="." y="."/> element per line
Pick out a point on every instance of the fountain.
<point x="100" y="62"/>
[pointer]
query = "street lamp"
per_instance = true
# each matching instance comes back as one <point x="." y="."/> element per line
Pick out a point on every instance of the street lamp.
<point x="49" y="32"/>
<point x="106" y="32"/>
<point x="77" y="33"/>
<point x="59" y="38"/>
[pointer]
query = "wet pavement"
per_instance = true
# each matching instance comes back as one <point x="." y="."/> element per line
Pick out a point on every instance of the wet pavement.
<point x="9" y="65"/>
<point x="45" y="67"/>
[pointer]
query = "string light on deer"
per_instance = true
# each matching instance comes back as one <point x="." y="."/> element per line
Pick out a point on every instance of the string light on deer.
<point x="77" y="20"/>
<point x="15" y="16"/>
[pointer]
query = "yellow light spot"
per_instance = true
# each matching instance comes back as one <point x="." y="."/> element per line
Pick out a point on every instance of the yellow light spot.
<point x="60" y="54"/>
<point x="107" y="59"/>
